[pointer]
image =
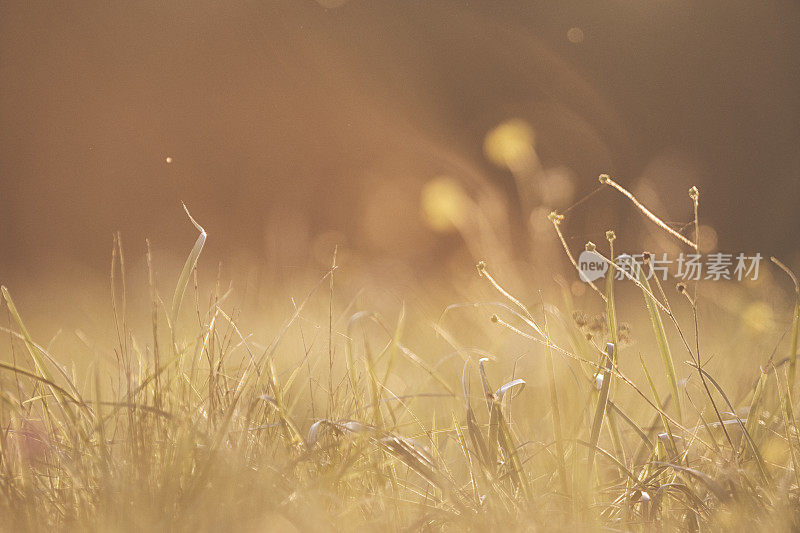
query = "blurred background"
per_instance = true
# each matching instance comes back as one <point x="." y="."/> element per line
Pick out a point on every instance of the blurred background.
<point x="415" y="135"/>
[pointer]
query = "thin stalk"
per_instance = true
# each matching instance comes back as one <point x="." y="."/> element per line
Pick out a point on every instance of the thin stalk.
<point x="557" y="432"/>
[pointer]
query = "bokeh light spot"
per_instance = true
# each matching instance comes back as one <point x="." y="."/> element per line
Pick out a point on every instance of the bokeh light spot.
<point x="758" y="315"/>
<point x="510" y="144"/>
<point x="575" y="35"/>
<point x="708" y="239"/>
<point x="444" y="204"/>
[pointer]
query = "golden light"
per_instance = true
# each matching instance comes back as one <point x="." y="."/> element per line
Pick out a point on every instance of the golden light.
<point x="510" y="144"/>
<point x="758" y="316"/>
<point x="444" y="204"/>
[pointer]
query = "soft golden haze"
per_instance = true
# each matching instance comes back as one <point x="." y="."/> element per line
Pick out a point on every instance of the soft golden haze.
<point x="345" y="265"/>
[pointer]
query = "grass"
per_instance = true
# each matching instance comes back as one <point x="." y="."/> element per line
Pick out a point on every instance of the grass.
<point x="194" y="425"/>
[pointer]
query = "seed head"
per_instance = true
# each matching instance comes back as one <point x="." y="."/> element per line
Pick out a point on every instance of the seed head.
<point x="555" y="217"/>
<point x="694" y="194"/>
<point x="604" y="178"/>
<point x="610" y="235"/>
<point x="590" y="246"/>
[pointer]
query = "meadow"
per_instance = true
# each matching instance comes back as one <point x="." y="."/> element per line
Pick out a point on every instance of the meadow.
<point x="633" y="407"/>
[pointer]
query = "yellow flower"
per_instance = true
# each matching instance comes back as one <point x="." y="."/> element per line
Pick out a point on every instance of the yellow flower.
<point x="444" y="204"/>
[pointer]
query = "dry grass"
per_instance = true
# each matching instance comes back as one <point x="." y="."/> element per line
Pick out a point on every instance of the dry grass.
<point x="198" y="427"/>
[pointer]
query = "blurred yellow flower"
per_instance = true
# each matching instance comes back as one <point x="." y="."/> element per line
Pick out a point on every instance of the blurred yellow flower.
<point x="444" y="204"/>
<point x="510" y="144"/>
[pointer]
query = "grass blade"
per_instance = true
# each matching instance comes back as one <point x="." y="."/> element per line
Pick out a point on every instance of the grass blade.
<point x="188" y="266"/>
<point x="600" y="410"/>
<point x="661" y="338"/>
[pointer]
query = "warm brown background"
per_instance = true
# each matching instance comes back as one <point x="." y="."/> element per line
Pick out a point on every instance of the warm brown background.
<point x="287" y="119"/>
